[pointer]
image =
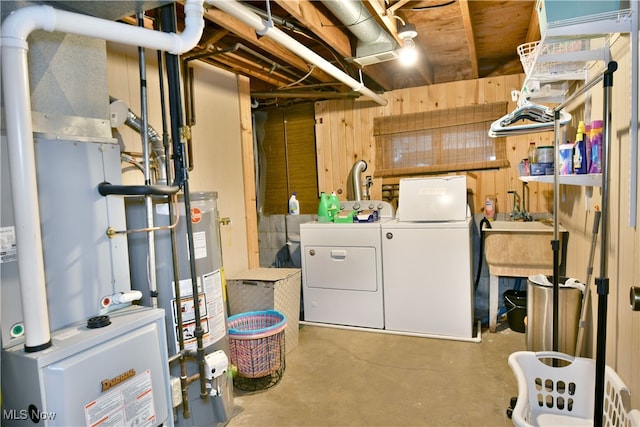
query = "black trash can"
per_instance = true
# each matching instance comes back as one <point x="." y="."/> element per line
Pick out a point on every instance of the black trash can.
<point x="516" y="304"/>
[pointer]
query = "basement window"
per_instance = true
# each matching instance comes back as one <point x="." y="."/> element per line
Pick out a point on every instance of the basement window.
<point x="452" y="140"/>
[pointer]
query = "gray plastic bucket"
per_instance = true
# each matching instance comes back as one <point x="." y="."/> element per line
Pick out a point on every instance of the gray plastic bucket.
<point x="516" y="304"/>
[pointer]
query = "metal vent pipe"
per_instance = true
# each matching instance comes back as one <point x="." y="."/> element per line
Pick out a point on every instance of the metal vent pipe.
<point x="372" y="38"/>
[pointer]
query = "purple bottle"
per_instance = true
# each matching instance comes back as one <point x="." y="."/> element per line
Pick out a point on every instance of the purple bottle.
<point x="596" y="147"/>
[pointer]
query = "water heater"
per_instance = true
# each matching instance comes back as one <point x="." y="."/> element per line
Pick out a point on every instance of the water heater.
<point x="204" y="220"/>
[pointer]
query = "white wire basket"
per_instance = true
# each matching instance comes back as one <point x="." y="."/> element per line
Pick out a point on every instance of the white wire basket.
<point x="530" y="56"/>
<point x="563" y="395"/>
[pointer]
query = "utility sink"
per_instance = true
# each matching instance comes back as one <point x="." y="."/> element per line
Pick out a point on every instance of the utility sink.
<point x="520" y="249"/>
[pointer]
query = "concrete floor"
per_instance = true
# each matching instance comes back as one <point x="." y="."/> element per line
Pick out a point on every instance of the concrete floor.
<point x="337" y="377"/>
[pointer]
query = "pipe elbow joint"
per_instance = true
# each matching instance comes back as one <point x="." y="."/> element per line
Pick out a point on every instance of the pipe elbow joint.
<point x="188" y="39"/>
<point x="194" y="26"/>
<point x="22" y="22"/>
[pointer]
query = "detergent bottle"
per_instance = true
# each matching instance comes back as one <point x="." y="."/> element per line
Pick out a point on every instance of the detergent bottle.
<point x="323" y="208"/>
<point x="294" y="205"/>
<point x="490" y="208"/>
<point x="334" y="205"/>
<point x="596" y="146"/>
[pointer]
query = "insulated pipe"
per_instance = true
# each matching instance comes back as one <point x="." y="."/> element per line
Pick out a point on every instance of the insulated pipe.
<point x="242" y="13"/>
<point x="16" y="28"/>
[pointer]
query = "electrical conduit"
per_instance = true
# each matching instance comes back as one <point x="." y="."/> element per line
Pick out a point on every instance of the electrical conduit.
<point x="15" y="83"/>
<point x="244" y="14"/>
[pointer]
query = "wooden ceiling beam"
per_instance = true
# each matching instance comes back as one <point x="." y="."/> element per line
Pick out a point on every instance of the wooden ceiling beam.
<point x="270" y="74"/>
<point x="249" y="35"/>
<point x="245" y="68"/>
<point x="317" y="21"/>
<point x="388" y="21"/>
<point x="214" y="38"/>
<point x="397" y="5"/>
<point x="471" y="42"/>
<point x="533" y="32"/>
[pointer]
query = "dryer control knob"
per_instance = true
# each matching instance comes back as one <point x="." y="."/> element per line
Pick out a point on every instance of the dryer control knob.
<point x="389" y="235"/>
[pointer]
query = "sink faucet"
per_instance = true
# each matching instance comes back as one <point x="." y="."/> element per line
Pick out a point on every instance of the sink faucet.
<point x="525" y="197"/>
<point x="515" y="209"/>
<point x="519" y="211"/>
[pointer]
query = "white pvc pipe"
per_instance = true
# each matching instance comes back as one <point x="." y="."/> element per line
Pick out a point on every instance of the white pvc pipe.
<point x="244" y="14"/>
<point x="17" y="101"/>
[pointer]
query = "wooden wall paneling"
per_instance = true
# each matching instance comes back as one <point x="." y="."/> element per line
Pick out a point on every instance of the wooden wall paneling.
<point x="494" y="89"/>
<point x="440" y="93"/>
<point x="463" y="93"/>
<point x="325" y="127"/>
<point x="351" y="152"/>
<point x="512" y="82"/>
<point x="368" y="143"/>
<point x="427" y="98"/>
<point x="421" y="99"/>
<point x="331" y="155"/>
<point x="323" y="137"/>
<point x="343" y="144"/>
<point x="362" y="148"/>
<point x="248" y="172"/>
<point x="338" y="155"/>
<point x="396" y="100"/>
<point x="412" y="101"/>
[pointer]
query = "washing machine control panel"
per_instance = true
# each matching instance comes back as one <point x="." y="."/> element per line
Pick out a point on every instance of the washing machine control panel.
<point x="385" y="209"/>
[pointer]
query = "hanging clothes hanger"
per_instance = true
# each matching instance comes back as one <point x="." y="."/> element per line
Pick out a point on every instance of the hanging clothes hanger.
<point x="527" y="118"/>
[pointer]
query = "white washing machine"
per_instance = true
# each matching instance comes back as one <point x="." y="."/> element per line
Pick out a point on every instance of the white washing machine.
<point x="342" y="269"/>
<point x="427" y="252"/>
<point x="428" y="285"/>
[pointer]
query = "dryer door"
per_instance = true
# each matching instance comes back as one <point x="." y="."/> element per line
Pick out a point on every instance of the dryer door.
<point x="341" y="267"/>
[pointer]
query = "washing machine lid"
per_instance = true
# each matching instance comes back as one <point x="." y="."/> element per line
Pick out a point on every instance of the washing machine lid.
<point x="433" y="199"/>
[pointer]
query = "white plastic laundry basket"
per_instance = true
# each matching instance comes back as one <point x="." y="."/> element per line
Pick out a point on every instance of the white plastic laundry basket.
<point x="563" y="395"/>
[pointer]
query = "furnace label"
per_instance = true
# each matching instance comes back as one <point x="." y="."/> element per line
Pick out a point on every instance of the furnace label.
<point x="130" y="403"/>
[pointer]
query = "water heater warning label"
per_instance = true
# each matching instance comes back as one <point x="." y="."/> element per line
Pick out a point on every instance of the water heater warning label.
<point x="130" y="403"/>
<point x="7" y="244"/>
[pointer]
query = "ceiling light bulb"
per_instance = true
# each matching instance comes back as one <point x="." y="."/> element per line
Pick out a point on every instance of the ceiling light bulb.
<point x="408" y="55"/>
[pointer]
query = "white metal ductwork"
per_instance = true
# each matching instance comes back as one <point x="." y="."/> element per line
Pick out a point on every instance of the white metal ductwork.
<point x="247" y="16"/>
<point x="375" y="44"/>
<point x="15" y="82"/>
